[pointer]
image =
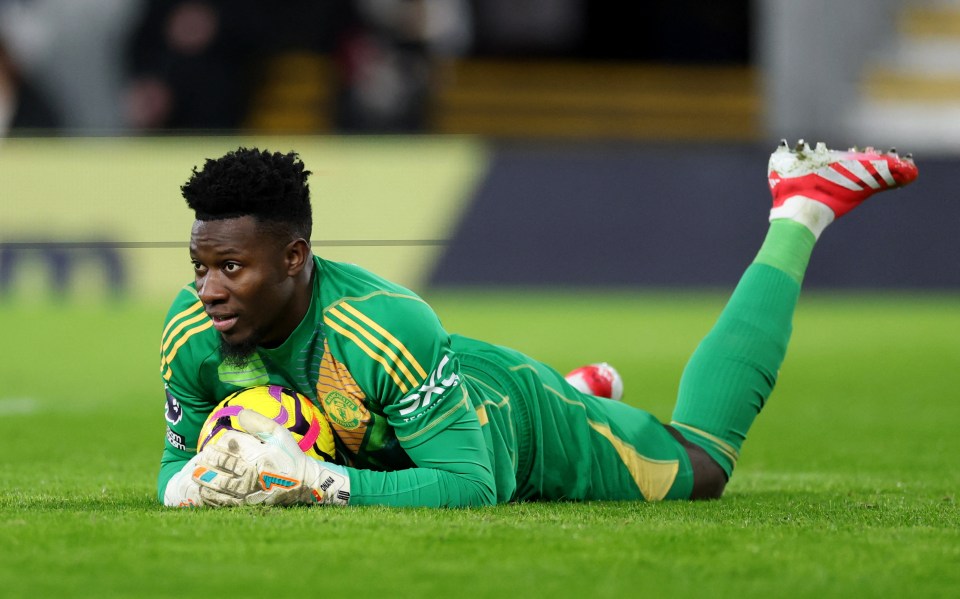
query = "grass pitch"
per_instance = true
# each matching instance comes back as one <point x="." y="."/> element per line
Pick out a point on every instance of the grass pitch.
<point x="847" y="485"/>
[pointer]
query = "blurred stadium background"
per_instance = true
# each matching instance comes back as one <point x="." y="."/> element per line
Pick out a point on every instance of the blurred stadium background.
<point x="608" y="159"/>
<point x="560" y="143"/>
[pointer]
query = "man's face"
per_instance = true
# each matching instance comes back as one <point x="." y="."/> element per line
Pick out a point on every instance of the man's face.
<point x="244" y="282"/>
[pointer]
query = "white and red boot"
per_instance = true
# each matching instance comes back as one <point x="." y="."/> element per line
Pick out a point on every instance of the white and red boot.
<point x="599" y="379"/>
<point x="817" y="185"/>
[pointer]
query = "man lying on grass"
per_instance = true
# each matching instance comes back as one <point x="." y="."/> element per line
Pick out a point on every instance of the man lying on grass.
<point x="423" y="417"/>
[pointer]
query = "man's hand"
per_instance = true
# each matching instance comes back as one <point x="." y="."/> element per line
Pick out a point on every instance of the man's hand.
<point x="182" y="490"/>
<point x="267" y="467"/>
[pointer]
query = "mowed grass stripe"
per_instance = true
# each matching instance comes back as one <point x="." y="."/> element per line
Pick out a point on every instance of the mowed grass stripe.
<point x="847" y="485"/>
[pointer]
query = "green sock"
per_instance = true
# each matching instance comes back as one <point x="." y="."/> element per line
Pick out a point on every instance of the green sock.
<point x="733" y="371"/>
<point x="787" y="247"/>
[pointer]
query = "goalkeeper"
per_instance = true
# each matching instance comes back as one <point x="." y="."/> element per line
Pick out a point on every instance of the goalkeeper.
<point x="423" y="417"/>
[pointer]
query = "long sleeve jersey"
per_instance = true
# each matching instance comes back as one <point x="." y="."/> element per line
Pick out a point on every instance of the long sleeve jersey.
<point x="412" y="429"/>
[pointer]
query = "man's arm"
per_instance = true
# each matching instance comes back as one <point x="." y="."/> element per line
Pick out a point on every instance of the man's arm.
<point x="401" y="358"/>
<point x="453" y="468"/>
<point x="191" y="388"/>
<point x="387" y="358"/>
<point x="267" y="467"/>
<point x="174" y="485"/>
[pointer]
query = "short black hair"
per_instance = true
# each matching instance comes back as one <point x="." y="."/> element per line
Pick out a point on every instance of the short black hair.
<point x="269" y="186"/>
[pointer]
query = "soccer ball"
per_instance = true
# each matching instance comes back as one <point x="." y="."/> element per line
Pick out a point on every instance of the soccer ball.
<point x="285" y="406"/>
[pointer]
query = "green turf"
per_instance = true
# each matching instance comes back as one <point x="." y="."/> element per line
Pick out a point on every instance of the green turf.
<point x="847" y="486"/>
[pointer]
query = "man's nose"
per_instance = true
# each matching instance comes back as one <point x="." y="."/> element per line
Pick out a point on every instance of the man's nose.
<point x="210" y="287"/>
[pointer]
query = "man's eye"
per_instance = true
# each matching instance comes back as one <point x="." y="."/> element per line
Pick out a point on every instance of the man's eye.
<point x="231" y="267"/>
<point x="196" y="265"/>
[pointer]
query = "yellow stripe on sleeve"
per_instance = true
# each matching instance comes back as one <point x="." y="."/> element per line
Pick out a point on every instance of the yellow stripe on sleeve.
<point x="366" y="349"/>
<point x="390" y="353"/>
<point x="180" y="327"/>
<point x="386" y="334"/>
<point x="169" y="359"/>
<point x="193" y="308"/>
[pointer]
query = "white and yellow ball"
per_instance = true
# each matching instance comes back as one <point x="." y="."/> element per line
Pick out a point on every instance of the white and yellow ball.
<point x="285" y="406"/>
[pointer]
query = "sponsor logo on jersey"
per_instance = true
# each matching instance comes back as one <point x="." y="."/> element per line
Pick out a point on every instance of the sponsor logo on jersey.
<point x="176" y="440"/>
<point x="342" y="410"/>
<point x="428" y="395"/>
<point x="174" y="412"/>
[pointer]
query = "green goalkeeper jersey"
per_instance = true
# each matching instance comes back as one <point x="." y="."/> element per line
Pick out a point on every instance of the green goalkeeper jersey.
<point x="373" y="356"/>
<point x="421" y="417"/>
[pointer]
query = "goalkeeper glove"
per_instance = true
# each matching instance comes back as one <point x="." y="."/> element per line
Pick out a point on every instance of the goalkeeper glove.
<point x="266" y="466"/>
<point x="182" y="490"/>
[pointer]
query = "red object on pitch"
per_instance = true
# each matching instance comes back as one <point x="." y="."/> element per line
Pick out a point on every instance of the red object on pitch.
<point x="599" y="379"/>
<point x="839" y="179"/>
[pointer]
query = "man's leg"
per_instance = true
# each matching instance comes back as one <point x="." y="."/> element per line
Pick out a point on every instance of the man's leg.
<point x="732" y="373"/>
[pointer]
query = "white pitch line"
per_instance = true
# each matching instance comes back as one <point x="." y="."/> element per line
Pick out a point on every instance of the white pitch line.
<point x="18" y="406"/>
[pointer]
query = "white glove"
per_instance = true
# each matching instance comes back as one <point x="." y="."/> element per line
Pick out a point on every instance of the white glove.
<point x="182" y="490"/>
<point x="267" y="467"/>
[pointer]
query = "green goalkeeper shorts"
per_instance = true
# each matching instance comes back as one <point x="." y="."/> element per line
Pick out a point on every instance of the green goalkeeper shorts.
<point x="557" y="443"/>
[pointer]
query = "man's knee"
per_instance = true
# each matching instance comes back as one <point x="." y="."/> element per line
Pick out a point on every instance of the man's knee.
<point x="709" y="479"/>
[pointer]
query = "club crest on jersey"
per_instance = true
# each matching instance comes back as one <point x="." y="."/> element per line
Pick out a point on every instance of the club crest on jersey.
<point x="342" y="410"/>
<point x="428" y="395"/>
<point x="174" y="412"/>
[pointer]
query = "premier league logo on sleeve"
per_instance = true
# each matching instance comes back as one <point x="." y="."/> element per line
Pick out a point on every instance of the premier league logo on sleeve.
<point x="174" y="411"/>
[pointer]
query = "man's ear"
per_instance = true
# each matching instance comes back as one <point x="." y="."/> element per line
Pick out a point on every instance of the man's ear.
<point x="297" y="255"/>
